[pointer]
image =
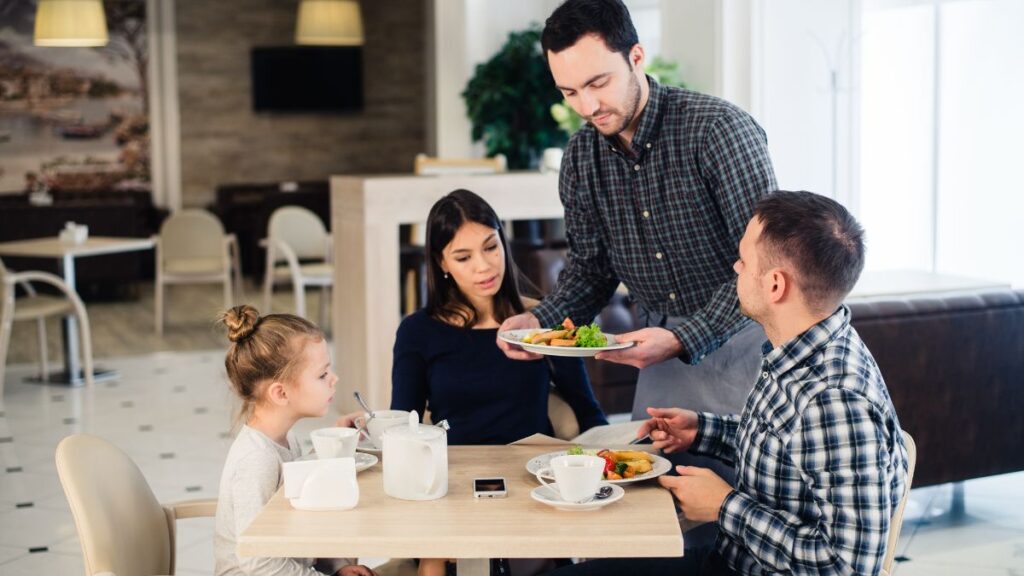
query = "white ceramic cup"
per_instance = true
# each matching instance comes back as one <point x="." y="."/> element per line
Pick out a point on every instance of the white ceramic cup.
<point x="576" y="477"/>
<point x="335" y="442"/>
<point x="381" y="421"/>
<point x="551" y="160"/>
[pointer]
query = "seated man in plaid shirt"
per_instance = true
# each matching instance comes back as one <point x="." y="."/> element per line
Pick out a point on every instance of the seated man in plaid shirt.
<point x="819" y="455"/>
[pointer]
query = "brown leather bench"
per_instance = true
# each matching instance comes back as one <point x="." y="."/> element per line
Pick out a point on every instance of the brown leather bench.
<point x="954" y="366"/>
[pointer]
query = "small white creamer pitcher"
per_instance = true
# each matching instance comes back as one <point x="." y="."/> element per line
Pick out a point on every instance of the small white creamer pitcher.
<point x="415" y="461"/>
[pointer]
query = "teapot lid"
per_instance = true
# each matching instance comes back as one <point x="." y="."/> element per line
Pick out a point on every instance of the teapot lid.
<point x="416" y="430"/>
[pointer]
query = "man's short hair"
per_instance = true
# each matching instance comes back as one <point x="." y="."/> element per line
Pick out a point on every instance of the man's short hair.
<point x="819" y="238"/>
<point x="575" y="19"/>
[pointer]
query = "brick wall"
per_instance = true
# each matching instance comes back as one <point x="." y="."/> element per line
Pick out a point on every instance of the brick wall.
<point x="223" y="141"/>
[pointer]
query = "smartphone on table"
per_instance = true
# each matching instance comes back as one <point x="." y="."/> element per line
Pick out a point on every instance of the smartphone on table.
<point x="489" y="488"/>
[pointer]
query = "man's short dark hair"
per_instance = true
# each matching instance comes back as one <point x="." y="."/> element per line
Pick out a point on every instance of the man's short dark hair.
<point x="575" y="19"/>
<point x="819" y="238"/>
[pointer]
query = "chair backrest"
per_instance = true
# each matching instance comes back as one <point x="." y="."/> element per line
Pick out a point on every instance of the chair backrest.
<point x="897" y="516"/>
<point x="563" y="419"/>
<point x="121" y="526"/>
<point x="301" y="229"/>
<point x="191" y="234"/>
<point x="432" y="166"/>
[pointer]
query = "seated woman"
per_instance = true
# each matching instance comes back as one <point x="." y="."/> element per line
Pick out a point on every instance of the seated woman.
<point x="445" y="359"/>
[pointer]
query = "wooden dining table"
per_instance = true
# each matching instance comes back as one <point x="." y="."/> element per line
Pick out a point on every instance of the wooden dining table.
<point x="642" y="524"/>
<point x="65" y="253"/>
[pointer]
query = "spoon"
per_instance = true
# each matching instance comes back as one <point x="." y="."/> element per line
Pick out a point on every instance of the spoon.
<point x="359" y="398"/>
<point x="602" y="493"/>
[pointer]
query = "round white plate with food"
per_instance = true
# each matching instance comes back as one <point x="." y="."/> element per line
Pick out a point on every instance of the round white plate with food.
<point x="516" y="337"/>
<point x="659" y="466"/>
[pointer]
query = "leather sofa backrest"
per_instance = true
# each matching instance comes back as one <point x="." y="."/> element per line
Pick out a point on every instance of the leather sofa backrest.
<point x="954" y="366"/>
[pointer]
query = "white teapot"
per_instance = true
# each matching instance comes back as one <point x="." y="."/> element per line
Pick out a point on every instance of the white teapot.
<point x="415" y="461"/>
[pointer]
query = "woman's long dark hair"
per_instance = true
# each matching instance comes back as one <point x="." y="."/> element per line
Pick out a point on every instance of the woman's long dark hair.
<point x="445" y="301"/>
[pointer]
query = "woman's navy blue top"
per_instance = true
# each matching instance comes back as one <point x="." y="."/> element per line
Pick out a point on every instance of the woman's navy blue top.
<point x="487" y="398"/>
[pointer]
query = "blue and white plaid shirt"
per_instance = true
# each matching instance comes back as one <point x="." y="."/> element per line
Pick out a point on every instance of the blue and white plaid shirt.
<point x="664" y="217"/>
<point x="819" y="455"/>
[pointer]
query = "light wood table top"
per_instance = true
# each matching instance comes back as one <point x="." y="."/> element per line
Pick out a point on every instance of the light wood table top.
<point x="52" y="247"/>
<point x="643" y="523"/>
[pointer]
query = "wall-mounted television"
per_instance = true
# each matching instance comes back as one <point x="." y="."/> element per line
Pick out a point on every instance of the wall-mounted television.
<point x="307" y="79"/>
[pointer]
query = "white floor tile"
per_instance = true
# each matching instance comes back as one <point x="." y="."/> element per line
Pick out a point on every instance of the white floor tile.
<point x="8" y="553"/>
<point x="33" y="527"/>
<point x="44" y="563"/>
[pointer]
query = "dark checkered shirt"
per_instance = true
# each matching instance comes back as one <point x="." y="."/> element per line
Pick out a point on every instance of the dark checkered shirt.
<point x="820" y="459"/>
<point x="665" y="218"/>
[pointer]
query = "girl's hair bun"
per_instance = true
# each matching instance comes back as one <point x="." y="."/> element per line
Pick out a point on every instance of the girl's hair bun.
<point x="240" y="321"/>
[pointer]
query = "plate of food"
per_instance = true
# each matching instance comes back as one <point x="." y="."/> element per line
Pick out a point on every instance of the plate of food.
<point x="566" y="339"/>
<point x="621" y="466"/>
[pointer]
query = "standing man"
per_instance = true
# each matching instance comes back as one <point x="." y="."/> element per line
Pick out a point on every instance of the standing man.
<point x="657" y="188"/>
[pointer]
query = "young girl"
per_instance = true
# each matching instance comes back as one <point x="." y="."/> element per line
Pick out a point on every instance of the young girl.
<point x="280" y="367"/>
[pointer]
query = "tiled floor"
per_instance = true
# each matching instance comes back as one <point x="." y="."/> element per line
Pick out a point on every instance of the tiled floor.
<point x="171" y="412"/>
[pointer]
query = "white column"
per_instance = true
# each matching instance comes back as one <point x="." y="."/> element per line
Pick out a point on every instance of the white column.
<point x="164" y="120"/>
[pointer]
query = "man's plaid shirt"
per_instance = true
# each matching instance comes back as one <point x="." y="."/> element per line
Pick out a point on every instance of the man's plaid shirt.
<point x="819" y="455"/>
<point x="665" y="218"/>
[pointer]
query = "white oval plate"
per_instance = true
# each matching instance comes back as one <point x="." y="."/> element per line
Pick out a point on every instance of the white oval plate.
<point x="658" y="467"/>
<point x="516" y="337"/>
<point x="548" y="495"/>
<point x="364" y="461"/>
<point x="366" y="446"/>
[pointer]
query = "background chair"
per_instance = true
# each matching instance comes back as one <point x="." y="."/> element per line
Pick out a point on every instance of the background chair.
<point x="298" y="238"/>
<point x="897" y="516"/>
<point x="122" y="528"/>
<point x="192" y="248"/>
<point x="39" y="307"/>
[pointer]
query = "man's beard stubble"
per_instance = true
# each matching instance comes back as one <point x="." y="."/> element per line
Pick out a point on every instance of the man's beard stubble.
<point x="627" y="114"/>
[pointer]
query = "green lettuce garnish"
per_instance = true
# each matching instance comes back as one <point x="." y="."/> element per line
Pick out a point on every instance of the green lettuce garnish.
<point x="575" y="451"/>
<point x="590" y="337"/>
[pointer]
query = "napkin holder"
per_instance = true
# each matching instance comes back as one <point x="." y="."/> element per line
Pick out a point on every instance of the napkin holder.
<point x="321" y="484"/>
<point x="74" y="233"/>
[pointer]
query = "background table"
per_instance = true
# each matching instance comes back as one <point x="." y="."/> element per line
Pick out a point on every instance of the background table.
<point x="66" y="253"/>
<point x="642" y="524"/>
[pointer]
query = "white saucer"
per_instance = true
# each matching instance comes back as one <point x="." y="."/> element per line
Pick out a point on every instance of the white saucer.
<point x="551" y="497"/>
<point x="364" y="461"/>
<point x="367" y="446"/>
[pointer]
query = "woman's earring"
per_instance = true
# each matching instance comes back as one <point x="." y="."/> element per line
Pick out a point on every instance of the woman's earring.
<point x="445" y="275"/>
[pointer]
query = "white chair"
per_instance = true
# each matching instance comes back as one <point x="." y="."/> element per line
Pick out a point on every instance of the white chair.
<point x="39" y="307"/>
<point x="298" y="251"/>
<point x="897" y="516"/>
<point x="122" y="528"/>
<point x="192" y="248"/>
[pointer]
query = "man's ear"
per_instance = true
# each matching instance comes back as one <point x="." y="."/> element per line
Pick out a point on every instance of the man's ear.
<point x="277" y="393"/>
<point x="779" y="285"/>
<point x="636" y="57"/>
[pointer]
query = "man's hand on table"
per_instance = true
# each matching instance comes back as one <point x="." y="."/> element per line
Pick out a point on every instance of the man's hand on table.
<point x="518" y="322"/>
<point x="671" y="429"/>
<point x="700" y="492"/>
<point x="355" y="570"/>
<point x="653" y="345"/>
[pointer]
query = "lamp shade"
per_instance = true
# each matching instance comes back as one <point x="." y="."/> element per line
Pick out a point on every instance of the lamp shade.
<point x="329" y="23"/>
<point x="70" y="23"/>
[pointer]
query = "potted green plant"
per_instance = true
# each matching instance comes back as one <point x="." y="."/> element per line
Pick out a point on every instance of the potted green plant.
<point x="509" y="99"/>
